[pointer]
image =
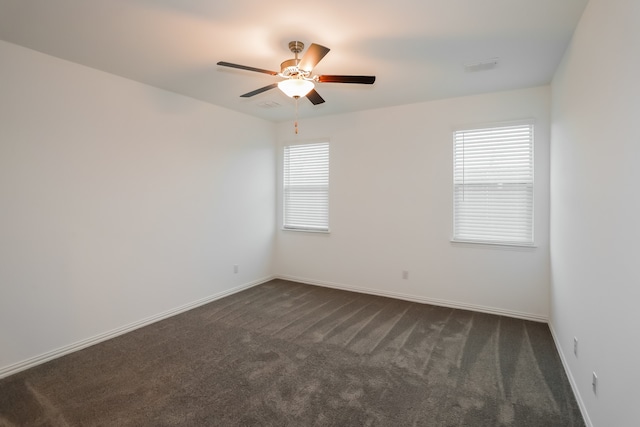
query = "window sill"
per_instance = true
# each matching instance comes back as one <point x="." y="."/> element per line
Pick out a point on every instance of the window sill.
<point x="494" y="245"/>
<point x="304" y="230"/>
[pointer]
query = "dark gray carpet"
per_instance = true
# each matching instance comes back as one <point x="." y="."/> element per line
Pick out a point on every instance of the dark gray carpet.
<point x="287" y="354"/>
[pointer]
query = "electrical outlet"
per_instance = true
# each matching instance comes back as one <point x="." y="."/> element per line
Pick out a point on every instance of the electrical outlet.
<point x="235" y="269"/>
<point x="594" y="383"/>
<point x="575" y="346"/>
<point x="405" y="274"/>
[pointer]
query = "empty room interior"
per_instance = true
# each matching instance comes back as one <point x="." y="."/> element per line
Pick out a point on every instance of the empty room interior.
<point x="184" y="243"/>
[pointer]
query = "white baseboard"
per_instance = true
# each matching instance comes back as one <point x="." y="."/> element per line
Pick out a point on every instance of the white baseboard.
<point x="419" y="299"/>
<point x="572" y="381"/>
<point x="54" y="354"/>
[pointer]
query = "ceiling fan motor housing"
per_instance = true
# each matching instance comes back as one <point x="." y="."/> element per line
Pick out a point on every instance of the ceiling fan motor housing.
<point x="289" y="68"/>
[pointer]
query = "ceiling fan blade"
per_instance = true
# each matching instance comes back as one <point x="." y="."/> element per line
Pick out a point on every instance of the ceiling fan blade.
<point x="314" y="97"/>
<point x="312" y="56"/>
<point x="365" y="80"/>
<point x="244" y="67"/>
<point x="257" y="91"/>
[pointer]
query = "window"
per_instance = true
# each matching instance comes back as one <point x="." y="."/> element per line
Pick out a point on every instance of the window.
<point x="306" y="187"/>
<point x="493" y="185"/>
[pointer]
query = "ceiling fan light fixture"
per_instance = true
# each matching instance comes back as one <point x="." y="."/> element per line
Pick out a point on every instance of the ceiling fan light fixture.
<point x="296" y="88"/>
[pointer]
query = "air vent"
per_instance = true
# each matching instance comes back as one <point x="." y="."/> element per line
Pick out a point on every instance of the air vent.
<point x="268" y="104"/>
<point x="487" y="64"/>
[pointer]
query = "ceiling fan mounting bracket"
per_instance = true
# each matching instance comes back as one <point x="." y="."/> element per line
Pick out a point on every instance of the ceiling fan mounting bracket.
<point x="296" y="47"/>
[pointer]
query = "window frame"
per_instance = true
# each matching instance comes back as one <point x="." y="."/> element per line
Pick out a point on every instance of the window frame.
<point x="458" y="237"/>
<point x="305" y="228"/>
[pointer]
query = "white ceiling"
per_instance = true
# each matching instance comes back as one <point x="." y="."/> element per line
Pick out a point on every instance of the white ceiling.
<point x="415" y="48"/>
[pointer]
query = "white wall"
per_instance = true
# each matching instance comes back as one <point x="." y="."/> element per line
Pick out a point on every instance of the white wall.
<point x="595" y="203"/>
<point x="391" y="208"/>
<point x="119" y="201"/>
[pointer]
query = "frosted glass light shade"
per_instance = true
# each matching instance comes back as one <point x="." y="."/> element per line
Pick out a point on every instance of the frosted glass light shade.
<point x="295" y="87"/>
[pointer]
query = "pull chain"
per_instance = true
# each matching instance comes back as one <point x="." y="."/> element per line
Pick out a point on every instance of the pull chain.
<point x="295" y="123"/>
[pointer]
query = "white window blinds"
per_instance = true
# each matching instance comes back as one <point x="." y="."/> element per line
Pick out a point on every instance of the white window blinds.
<point x="493" y="185"/>
<point x="306" y="187"/>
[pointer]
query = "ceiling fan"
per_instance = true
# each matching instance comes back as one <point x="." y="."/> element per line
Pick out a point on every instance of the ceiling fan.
<point x="298" y="80"/>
